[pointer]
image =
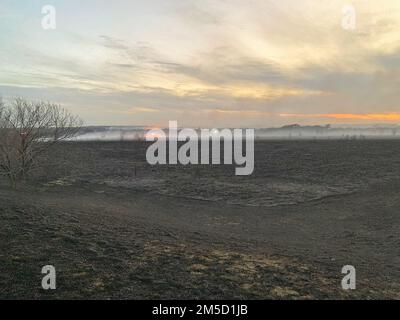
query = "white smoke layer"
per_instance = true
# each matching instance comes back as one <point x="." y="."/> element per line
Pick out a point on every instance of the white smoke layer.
<point x="294" y="132"/>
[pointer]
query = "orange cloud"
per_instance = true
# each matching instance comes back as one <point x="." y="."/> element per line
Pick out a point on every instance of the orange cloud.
<point x="390" y="117"/>
<point x="136" y="111"/>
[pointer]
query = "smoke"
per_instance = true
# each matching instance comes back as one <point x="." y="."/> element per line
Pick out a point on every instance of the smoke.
<point x="294" y="132"/>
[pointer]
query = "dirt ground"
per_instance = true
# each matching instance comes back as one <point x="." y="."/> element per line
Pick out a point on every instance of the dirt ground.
<point x="115" y="228"/>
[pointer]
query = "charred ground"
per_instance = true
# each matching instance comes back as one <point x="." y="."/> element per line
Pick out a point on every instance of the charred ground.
<point x="114" y="227"/>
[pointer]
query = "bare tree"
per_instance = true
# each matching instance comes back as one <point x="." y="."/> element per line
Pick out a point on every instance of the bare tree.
<point x="28" y="129"/>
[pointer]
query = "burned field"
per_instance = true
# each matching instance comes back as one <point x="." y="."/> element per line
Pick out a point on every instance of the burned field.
<point x="116" y="227"/>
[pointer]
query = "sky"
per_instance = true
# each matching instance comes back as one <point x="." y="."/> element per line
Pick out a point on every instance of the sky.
<point x="209" y="63"/>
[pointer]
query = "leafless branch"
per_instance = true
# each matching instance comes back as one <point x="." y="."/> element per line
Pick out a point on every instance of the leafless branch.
<point x="28" y="129"/>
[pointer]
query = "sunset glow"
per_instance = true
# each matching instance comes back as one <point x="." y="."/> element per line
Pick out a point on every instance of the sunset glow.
<point x="390" y="117"/>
